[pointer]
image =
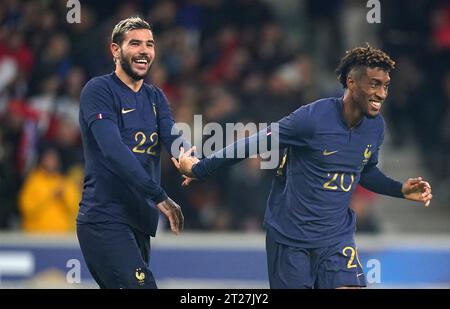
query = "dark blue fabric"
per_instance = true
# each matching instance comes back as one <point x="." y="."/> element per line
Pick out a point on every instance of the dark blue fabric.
<point x="307" y="268"/>
<point x="122" y="133"/>
<point x="374" y="180"/>
<point x="308" y="205"/>
<point x="117" y="255"/>
<point x="121" y="159"/>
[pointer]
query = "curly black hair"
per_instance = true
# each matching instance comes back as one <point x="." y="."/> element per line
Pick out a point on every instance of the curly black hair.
<point x="363" y="57"/>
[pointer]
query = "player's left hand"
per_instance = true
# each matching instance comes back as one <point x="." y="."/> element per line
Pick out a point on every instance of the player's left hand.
<point x="416" y="189"/>
<point x="173" y="212"/>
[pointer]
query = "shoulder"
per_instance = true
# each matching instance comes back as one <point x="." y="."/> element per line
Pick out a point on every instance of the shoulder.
<point x="304" y="119"/>
<point x="98" y="96"/>
<point x="323" y="106"/>
<point x="98" y="81"/>
<point x="317" y="109"/>
<point x="96" y="85"/>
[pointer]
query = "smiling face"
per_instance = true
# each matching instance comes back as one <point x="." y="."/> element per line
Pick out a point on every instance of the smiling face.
<point x="136" y="53"/>
<point x="368" y="88"/>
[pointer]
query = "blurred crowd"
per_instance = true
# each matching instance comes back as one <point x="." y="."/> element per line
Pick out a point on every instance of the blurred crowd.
<point x="229" y="60"/>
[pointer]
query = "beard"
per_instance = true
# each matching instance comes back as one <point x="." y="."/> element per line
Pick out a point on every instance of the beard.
<point x="126" y="64"/>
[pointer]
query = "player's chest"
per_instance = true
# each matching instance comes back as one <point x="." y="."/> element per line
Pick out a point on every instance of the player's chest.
<point x="136" y="111"/>
<point x="343" y="151"/>
<point x="138" y="125"/>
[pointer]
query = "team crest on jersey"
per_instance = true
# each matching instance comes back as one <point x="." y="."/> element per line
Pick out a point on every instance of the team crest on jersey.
<point x="367" y="154"/>
<point x="140" y="276"/>
<point x="154" y="108"/>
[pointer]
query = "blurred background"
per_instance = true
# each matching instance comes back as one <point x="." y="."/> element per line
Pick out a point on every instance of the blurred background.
<point x="230" y="61"/>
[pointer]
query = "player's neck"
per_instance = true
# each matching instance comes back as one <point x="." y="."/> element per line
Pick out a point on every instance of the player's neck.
<point x="133" y="84"/>
<point x="350" y="111"/>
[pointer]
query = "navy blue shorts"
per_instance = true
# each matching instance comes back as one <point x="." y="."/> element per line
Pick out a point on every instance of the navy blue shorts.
<point x="307" y="268"/>
<point x="117" y="255"/>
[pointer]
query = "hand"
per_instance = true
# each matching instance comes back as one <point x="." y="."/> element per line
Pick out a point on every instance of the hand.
<point x="185" y="163"/>
<point x="416" y="189"/>
<point x="187" y="181"/>
<point x="173" y="212"/>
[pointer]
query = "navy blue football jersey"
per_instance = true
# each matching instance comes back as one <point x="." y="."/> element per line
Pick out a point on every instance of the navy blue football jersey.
<point x="324" y="160"/>
<point x="122" y="181"/>
<point x="309" y="200"/>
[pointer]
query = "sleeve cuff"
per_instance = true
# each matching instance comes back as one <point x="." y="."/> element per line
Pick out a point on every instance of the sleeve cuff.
<point x="199" y="171"/>
<point x="162" y="197"/>
<point x="398" y="191"/>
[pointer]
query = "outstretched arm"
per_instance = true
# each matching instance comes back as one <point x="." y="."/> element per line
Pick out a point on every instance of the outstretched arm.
<point x="295" y="129"/>
<point x="194" y="168"/>
<point x="233" y="153"/>
<point x="414" y="189"/>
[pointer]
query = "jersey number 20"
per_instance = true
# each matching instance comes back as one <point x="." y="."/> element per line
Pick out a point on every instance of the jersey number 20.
<point x="335" y="182"/>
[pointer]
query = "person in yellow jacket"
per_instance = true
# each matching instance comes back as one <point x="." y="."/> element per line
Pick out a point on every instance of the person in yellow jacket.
<point x="48" y="200"/>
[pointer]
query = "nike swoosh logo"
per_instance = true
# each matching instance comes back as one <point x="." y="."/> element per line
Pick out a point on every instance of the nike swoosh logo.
<point x="328" y="153"/>
<point x="126" y="111"/>
<point x="359" y="275"/>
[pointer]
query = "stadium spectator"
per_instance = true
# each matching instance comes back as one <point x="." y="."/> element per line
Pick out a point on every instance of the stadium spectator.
<point x="48" y="200"/>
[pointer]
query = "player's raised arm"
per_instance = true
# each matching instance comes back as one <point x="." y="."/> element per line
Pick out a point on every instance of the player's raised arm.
<point x="294" y="129"/>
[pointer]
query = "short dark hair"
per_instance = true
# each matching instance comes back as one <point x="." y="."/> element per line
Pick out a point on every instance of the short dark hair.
<point x="363" y="57"/>
<point x="125" y="25"/>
